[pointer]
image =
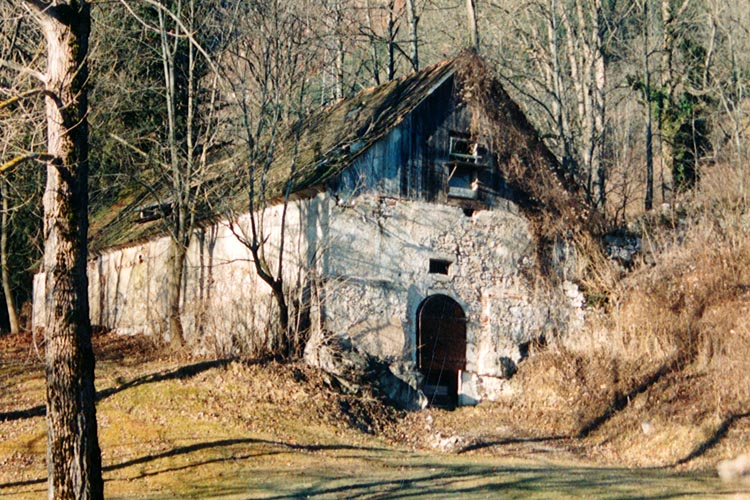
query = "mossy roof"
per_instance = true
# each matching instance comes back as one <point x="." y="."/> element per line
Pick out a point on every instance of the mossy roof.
<point x="326" y="143"/>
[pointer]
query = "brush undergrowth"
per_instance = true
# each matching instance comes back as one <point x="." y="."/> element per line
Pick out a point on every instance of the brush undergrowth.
<point x="660" y="374"/>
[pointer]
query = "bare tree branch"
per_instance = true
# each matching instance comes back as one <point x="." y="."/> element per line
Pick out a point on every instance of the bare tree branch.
<point x="24" y="70"/>
<point x="14" y="162"/>
<point x="178" y="22"/>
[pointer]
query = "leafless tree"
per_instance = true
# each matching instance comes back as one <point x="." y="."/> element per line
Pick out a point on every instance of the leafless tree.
<point x="413" y="17"/>
<point x="564" y="72"/>
<point x="732" y="78"/>
<point x="269" y="69"/>
<point x="382" y="26"/>
<point x="73" y="451"/>
<point x="190" y="92"/>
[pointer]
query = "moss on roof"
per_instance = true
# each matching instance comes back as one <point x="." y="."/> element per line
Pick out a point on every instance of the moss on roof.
<point x="328" y="142"/>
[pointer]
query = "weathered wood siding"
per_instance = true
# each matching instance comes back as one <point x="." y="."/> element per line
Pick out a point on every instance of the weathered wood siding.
<point x="411" y="161"/>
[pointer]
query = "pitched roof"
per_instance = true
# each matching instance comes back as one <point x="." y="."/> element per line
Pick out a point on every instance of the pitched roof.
<point x="326" y="143"/>
<point x="331" y="138"/>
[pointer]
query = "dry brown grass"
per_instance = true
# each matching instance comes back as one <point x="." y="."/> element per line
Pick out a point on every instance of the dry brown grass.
<point x="660" y="375"/>
<point x="181" y="428"/>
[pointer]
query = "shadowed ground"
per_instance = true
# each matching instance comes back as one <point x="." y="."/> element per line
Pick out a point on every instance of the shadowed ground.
<point x="181" y="428"/>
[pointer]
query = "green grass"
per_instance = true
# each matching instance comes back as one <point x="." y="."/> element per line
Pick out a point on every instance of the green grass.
<point x="215" y="433"/>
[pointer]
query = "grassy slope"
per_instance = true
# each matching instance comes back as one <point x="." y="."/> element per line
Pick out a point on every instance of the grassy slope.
<point x="181" y="428"/>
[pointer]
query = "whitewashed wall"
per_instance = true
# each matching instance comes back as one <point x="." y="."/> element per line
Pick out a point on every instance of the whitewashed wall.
<point x="226" y="306"/>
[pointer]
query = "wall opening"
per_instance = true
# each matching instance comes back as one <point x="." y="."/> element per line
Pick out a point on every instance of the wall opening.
<point x="441" y="348"/>
<point x="440" y="266"/>
<point x="467" y="160"/>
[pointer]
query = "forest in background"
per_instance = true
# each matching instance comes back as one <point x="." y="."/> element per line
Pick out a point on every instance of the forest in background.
<point x="639" y="100"/>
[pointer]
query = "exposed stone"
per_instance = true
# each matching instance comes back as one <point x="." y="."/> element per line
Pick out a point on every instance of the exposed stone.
<point x="647" y="427"/>
<point x="623" y="247"/>
<point x="447" y="444"/>
<point x="352" y="367"/>
<point x="737" y="469"/>
<point x="476" y="388"/>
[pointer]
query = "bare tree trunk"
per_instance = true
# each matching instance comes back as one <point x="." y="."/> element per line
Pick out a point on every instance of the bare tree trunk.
<point x="73" y="454"/>
<point x="373" y="44"/>
<point x="471" y="13"/>
<point x="411" y="13"/>
<point x="598" y="97"/>
<point x="174" y="293"/>
<point x="731" y="93"/>
<point x="339" y="50"/>
<point x="649" y="198"/>
<point x="340" y="76"/>
<point x="556" y="83"/>
<point x="391" y="37"/>
<point x="579" y="65"/>
<point x="169" y="50"/>
<point x="667" y="83"/>
<point x="10" y="302"/>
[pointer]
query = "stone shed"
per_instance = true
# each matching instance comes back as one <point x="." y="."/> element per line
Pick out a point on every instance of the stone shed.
<point x="404" y="238"/>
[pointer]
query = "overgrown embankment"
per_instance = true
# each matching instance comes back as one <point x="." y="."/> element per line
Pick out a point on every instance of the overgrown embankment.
<point x="660" y="374"/>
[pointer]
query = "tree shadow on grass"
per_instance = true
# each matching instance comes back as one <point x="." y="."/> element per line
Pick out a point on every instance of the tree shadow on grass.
<point x="713" y="440"/>
<point x="620" y="402"/>
<point x="403" y="474"/>
<point x="182" y="372"/>
<point x="279" y="447"/>
<point x="192" y="448"/>
<point x="482" y="481"/>
<point x="502" y="442"/>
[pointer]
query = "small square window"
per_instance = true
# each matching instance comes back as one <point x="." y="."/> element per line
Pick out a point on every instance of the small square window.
<point x="440" y="266"/>
<point x="463" y="181"/>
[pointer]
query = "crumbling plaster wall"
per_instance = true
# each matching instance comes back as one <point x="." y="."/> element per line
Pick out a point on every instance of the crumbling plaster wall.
<point x="377" y="275"/>
<point x="371" y="255"/>
<point x="226" y="307"/>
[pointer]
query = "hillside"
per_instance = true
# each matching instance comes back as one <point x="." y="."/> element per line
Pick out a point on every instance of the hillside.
<point x="173" y="426"/>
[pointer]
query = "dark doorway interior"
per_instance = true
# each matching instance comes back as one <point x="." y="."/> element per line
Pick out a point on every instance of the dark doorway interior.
<point x="441" y="348"/>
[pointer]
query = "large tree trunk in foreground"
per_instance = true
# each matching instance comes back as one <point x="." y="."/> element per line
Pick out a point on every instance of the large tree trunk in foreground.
<point x="73" y="455"/>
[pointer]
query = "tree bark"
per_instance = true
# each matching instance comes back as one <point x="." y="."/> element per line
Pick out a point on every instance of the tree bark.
<point x="373" y="44"/>
<point x="411" y="14"/>
<point x="648" y="202"/>
<point x="391" y="38"/>
<point x="73" y="454"/>
<point x="10" y="302"/>
<point x="471" y="13"/>
<point x="174" y="293"/>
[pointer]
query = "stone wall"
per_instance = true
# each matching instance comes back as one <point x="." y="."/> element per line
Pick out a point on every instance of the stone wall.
<point x="364" y="266"/>
<point x="377" y="275"/>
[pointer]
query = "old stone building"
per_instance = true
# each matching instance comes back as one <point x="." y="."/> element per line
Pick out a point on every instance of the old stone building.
<point x="402" y="235"/>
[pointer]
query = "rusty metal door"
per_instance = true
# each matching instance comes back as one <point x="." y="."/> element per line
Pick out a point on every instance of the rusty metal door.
<point x="441" y="341"/>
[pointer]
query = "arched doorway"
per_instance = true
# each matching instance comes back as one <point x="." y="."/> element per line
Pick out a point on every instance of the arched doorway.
<point x="441" y="348"/>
